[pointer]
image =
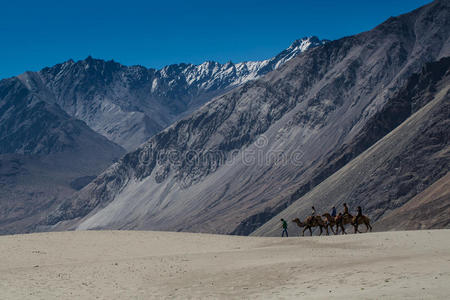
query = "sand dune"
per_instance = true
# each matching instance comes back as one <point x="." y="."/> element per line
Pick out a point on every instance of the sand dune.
<point x="143" y="265"/>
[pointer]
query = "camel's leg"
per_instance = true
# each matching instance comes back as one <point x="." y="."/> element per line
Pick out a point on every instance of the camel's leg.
<point x="310" y="231"/>
<point x="368" y="225"/>
<point x="332" y="230"/>
<point x="303" y="234"/>
<point x="320" y="227"/>
<point x="326" y="228"/>
<point x="357" y="228"/>
<point x="343" y="229"/>
<point x="358" y="222"/>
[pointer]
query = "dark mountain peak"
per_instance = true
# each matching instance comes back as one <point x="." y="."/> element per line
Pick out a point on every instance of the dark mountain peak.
<point x="434" y="13"/>
<point x="97" y="63"/>
<point x="89" y="65"/>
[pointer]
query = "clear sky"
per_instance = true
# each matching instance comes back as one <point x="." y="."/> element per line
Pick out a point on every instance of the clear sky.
<point x="35" y="34"/>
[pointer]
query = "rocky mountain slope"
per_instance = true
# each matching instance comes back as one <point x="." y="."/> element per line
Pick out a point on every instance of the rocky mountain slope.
<point x="405" y="162"/>
<point x="45" y="155"/>
<point x="429" y="209"/>
<point x="248" y="151"/>
<point x="413" y="96"/>
<point x="130" y="104"/>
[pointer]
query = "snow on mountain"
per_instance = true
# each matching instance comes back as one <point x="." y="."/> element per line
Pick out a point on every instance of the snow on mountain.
<point x="128" y="105"/>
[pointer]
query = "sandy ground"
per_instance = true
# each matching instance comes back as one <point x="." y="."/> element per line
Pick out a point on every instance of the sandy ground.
<point x="143" y="265"/>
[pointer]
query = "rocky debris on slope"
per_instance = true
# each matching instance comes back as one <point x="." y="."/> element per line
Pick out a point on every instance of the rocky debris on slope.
<point x="81" y="182"/>
<point x="304" y="110"/>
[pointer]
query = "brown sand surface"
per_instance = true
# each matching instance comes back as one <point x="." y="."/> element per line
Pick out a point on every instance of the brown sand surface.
<point x="160" y="265"/>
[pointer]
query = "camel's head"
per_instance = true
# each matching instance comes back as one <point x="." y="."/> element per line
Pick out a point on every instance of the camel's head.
<point x="299" y="223"/>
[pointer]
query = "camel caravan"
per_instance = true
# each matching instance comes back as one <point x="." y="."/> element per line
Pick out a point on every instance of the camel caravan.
<point x="333" y="221"/>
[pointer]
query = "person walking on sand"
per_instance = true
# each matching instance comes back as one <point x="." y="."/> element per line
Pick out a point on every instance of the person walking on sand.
<point x="284" y="225"/>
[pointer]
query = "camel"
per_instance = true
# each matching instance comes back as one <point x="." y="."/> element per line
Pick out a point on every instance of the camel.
<point x="311" y="222"/>
<point x="332" y="221"/>
<point x="361" y="220"/>
<point x="342" y="220"/>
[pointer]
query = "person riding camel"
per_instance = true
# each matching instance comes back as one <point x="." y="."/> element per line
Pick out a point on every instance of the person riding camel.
<point x="346" y="209"/>
<point x="358" y="215"/>
<point x="313" y="214"/>
<point x="333" y="212"/>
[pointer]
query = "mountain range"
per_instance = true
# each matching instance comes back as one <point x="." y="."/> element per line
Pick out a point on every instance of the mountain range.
<point x="128" y="105"/>
<point x="62" y="126"/>
<point x="362" y="120"/>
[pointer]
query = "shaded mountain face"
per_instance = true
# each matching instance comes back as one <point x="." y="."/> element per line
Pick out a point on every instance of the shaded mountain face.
<point x="30" y="125"/>
<point x="42" y="150"/>
<point x="248" y="151"/>
<point x="128" y="105"/>
<point x="397" y="181"/>
<point x="428" y="210"/>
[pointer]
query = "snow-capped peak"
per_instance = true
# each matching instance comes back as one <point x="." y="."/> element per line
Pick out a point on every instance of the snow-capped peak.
<point x="212" y="74"/>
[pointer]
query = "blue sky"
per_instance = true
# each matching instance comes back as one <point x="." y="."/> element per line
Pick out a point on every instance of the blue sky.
<point x="35" y="34"/>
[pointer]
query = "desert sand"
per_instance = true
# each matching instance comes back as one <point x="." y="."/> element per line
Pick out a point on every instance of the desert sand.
<point x="147" y="265"/>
